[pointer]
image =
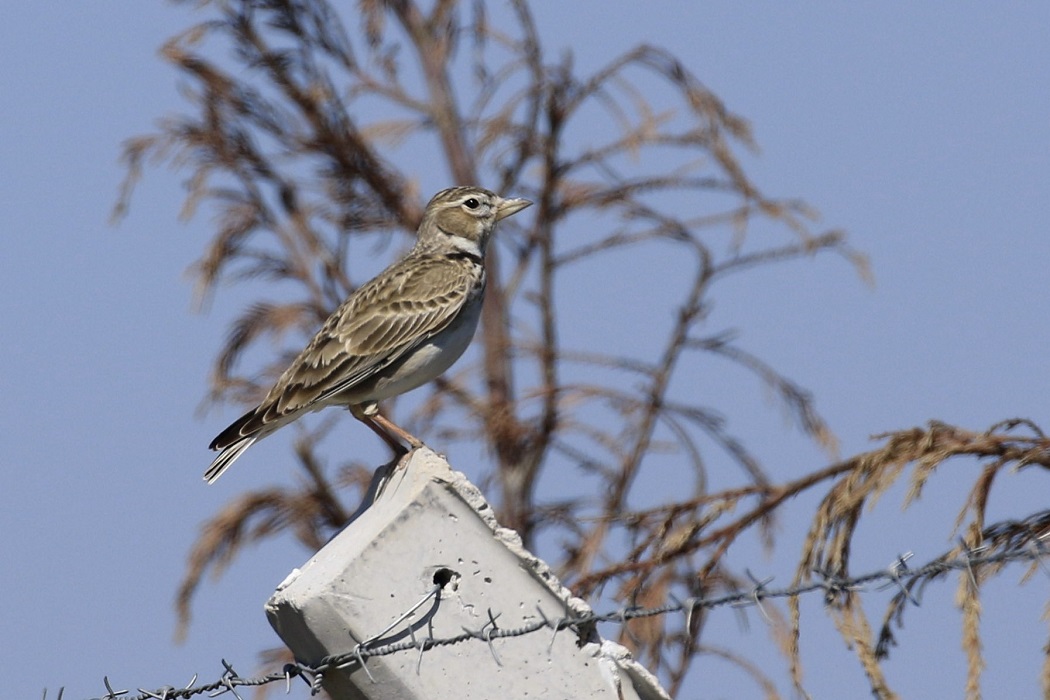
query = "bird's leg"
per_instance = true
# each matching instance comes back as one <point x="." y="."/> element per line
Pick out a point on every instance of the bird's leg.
<point x="387" y="425"/>
<point x="386" y="429"/>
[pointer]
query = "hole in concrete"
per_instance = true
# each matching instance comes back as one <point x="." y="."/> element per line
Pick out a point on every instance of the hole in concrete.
<point x="444" y="576"/>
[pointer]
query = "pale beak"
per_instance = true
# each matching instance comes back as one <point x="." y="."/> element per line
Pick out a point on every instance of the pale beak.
<point x="506" y="207"/>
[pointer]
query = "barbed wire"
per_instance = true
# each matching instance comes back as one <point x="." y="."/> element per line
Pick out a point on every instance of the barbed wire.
<point x="897" y="574"/>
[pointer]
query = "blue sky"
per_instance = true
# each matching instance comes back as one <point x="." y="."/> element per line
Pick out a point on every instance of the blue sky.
<point x="921" y="130"/>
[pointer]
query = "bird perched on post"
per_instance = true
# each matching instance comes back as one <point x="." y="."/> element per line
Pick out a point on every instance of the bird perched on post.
<point x="396" y="332"/>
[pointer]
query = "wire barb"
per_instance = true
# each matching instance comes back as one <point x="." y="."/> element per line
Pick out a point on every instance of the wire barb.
<point x="758" y="592"/>
<point x="899" y="568"/>
<point x="422" y="645"/>
<point x="547" y="622"/>
<point x="110" y="693"/>
<point x="359" y="655"/>
<point x="835" y="586"/>
<point x="1038" y="549"/>
<point x="970" y="553"/>
<point x="159" y="694"/>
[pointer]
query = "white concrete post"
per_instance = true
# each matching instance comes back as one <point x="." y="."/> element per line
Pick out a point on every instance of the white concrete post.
<point x="429" y="531"/>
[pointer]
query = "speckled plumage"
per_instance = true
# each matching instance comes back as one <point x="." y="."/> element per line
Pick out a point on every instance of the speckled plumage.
<point x="400" y="330"/>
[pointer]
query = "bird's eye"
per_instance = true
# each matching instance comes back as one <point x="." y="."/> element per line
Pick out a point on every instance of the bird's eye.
<point x="472" y="203"/>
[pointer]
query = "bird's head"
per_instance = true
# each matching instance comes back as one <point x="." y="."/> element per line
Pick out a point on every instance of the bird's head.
<point x="463" y="218"/>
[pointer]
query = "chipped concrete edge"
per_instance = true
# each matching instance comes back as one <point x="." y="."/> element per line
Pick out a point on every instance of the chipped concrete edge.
<point x="645" y="683"/>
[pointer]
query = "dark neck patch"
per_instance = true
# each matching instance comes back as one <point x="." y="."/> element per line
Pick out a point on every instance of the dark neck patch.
<point x="465" y="255"/>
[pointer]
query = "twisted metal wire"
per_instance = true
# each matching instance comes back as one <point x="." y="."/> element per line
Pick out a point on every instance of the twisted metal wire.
<point x="897" y="574"/>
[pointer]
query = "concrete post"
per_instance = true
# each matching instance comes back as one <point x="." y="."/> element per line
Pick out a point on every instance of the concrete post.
<point x="426" y="530"/>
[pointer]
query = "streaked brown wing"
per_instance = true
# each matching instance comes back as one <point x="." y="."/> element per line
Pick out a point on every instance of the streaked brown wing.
<point x="384" y="319"/>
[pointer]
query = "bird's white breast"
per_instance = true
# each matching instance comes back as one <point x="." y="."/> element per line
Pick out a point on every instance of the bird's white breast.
<point x="434" y="357"/>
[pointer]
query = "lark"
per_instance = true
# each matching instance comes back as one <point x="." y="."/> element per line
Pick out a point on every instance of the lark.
<point x="398" y="331"/>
